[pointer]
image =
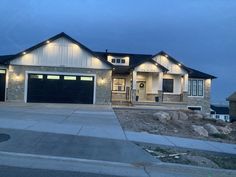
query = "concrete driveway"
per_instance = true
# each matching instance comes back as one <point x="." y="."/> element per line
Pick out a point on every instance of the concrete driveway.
<point x="73" y="119"/>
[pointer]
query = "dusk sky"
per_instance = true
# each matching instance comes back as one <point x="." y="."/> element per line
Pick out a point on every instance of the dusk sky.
<point x="199" y="33"/>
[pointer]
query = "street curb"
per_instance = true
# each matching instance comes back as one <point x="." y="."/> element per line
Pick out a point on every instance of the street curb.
<point x="71" y="164"/>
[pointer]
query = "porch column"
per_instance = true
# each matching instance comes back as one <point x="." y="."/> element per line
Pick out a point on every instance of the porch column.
<point x="160" y="83"/>
<point x="134" y="86"/>
<point x="185" y="88"/>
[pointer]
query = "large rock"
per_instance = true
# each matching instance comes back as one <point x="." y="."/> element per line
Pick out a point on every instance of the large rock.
<point x="182" y="116"/>
<point x="200" y="130"/>
<point x="196" y="115"/>
<point x="162" y="116"/>
<point x="211" y="129"/>
<point x="174" y="115"/>
<point x="224" y="130"/>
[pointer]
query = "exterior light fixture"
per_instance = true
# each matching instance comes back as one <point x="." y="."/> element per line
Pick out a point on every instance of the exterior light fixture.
<point x="24" y="53"/>
<point x="166" y="56"/>
<point x="179" y="64"/>
<point x="156" y="64"/>
<point x="48" y="42"/>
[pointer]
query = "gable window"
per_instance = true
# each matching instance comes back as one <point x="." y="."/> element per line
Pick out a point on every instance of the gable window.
<point x="168" y="85"/>
<point x="195" y="87"/>
<point x="118" y="84"/>
<point x="117" y="60"/>
<point x="113" y="60"/>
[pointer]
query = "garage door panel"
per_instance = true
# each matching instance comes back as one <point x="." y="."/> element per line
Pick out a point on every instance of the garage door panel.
<point x="65" y="89"/>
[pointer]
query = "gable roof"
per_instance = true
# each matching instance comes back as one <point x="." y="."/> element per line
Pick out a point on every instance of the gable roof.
<point x="134" y="59"/>
<point x="7" y="58"/>
<point x="232" y="97"/>
<point x="220" y="109"/>
<point x="193" y="73"/>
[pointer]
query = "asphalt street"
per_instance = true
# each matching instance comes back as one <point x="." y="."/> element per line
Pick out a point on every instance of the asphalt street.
<point x="7" y="171"/>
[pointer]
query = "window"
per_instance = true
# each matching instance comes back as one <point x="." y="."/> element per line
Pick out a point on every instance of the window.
<point x="53" y="77"/>
<point x="36" y="76"/>
<point x="86" y="78"/>
<point x="118" y="85"/>
<point x="113" y="60"/>
<point x="195" y="87"/>
<point x="168" y="85"/>
<point x="72" y="78"/>
<point x="117" y="60"/>
<point x="195" y="108"/>
<point x="217" y="116"/>
<point x="2" y="71"/>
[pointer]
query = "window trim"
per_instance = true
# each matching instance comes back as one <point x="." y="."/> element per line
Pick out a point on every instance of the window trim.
<point x="163" y="86"/>
<point x="119" y="90"/>
<point x="190" y="88"/>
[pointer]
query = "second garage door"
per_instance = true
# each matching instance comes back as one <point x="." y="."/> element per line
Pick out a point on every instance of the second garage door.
<point x="48" y="88"/>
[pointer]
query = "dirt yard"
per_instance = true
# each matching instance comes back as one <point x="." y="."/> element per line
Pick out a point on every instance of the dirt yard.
<point x="196" y="158"/>
<point x="144" y="121"/>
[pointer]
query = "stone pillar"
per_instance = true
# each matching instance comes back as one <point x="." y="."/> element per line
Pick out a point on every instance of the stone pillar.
<point x="185" y="96"/>
<point x="160" y="95"/>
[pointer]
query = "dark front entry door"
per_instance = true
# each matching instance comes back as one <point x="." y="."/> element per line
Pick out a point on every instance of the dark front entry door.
<point x="2" y="84"/>
<point x="47" y="88"/>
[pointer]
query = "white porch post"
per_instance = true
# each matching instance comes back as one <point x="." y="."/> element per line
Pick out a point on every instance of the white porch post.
<point x="134" y="86"/>
<point x="185" y="83"/>
<point x="160" y="83"/>
<point x="185" y="88"/>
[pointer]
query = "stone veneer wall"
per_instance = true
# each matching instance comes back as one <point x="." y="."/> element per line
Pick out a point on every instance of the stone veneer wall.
<point x="16" y="81"/>
<point x="204" y="101"/>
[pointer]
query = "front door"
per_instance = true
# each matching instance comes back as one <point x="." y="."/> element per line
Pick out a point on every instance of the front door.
<point x="141" y="91"/>
<point x="2" y="84"/>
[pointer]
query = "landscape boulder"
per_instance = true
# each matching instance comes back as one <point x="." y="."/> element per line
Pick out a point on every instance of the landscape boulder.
<point x="224" y="130"/>
<point x="211" y="129"/>
<point x="200" y="130"/>
<point x="195" y="115"/>
<point x="174" y="115"/>
<point x="183" y="116"/>
<point x="162" y="116"/>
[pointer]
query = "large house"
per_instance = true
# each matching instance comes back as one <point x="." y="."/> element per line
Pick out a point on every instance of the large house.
<point x="62" y="70"/>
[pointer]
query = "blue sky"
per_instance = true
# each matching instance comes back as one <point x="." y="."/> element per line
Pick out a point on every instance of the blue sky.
<point x="199" y="33"/>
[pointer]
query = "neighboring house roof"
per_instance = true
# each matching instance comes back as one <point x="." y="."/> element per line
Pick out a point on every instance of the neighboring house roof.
<point x="7" y="58"/>
<point x="232" y="97"/>
<point x="220" y="109"/>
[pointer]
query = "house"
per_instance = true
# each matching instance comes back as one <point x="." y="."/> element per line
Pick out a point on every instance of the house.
<point x="62" y="70"/>
<point x="232" y="106"/>
<point x="220" y="112"/>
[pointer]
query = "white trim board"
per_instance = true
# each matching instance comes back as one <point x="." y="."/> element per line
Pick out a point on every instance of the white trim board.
<point x="59" y="73"/>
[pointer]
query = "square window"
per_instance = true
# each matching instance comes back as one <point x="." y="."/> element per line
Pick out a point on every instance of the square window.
<point x="117" y="60"/>
<point x="168" y="85"/>
<point x="118" y="85"/>
<point x="113" y="60"/>
<point x="122" y="60"/>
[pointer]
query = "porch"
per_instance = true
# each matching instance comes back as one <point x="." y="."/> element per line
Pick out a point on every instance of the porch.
<point x="149" y="88"/>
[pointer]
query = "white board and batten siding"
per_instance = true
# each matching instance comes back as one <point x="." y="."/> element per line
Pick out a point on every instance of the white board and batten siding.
<point x="60" y="53"/>
<point x="172" y="67"/>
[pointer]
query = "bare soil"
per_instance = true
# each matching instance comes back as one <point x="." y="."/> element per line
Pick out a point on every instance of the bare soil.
<point x="196" y="158"/>
<point x="142" y="120"/>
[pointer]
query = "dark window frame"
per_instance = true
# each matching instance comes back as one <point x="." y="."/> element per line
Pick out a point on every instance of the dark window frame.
<point x="168" y="88"/>
<point x="196" y="87"/>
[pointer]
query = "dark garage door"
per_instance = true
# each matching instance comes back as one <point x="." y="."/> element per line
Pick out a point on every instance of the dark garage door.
<point x="2" y="84"/>
<point x="45" y="88"/>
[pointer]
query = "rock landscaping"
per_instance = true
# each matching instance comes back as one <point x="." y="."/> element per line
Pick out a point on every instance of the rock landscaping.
<point x="182" y="123"/>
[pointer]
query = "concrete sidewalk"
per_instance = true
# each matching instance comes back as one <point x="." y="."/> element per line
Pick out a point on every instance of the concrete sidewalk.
<point x="144" y="137"/>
